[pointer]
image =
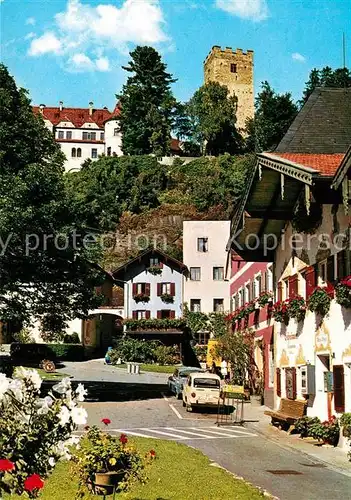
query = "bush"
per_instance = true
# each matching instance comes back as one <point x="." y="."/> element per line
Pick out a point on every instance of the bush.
<point x="35" y="433"/>
<point x="23" y="336"/>
<point x="141" y="351"/>
<point x="34" y="353"/>
<point x="302" y="425"/>
<point x="345" y="421"/>
<point x="327" y="431"/>
<point x="71" y="338"/>
<point x="6" y="366"/>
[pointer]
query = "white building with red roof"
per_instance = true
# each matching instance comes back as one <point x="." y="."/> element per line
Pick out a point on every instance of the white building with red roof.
<point x="83" y="132"/>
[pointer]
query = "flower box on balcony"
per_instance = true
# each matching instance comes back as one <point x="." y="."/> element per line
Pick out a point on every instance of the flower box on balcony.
<point x="155" y="270"/>
<point x="167" y="298"/>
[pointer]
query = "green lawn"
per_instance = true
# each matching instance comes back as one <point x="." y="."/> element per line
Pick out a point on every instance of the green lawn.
<point x="49" y="376"/>
<point x="152" y="368"/>
<point x="178" y="473"/>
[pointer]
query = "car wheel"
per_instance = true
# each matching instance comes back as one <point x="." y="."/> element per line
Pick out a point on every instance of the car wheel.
<point x="179" y="395"/>
<point x="189" y="408"/>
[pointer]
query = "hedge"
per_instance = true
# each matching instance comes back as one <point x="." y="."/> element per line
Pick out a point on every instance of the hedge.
<point x="34" y="353"/>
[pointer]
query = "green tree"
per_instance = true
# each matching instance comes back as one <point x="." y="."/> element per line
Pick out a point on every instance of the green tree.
<point x="274" y="114"/>
<point x="235" y="348"/>
<point x="45" y="271"/>
<point x="212" y="113"/>
<point x="147" y="104"/>
<point x="326" y="77"/>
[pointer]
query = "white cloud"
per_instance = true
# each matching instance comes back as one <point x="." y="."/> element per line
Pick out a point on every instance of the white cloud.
<point x="255" y="10"/>
<point x="84" y="29"/>
<point x="30" y="21"/>
<point x="81" y="62"/>
<point x="298" y="57"/>
<point x="45" y="44"/>
<point x="102" y="64"/>
<point x="30" y="35"/>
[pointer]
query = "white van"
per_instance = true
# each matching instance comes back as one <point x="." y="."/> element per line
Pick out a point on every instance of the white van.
<point x="201" y="389"/>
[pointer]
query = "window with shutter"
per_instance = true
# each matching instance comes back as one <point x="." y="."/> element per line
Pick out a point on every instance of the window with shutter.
<point x="310" y="278"/>
<point x="339" y="388"/>
<point x="159" y="290"/>
<point x="293" y="286"/>
<point x="134" y="289"/>
<point x="147" y="289"/>
<point x="278" y="382"/>
<point x="172" y="314"/>
<point x="135" y="314"/>
<point x="159" y="315"/>
<point x="147" y="314"/>
<point x="173" y="289"/>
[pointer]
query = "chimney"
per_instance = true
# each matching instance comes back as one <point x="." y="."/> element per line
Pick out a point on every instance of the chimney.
<point x="61" y="105"/>
<point x="41" y="108"/>
<point x="91" y="107"/>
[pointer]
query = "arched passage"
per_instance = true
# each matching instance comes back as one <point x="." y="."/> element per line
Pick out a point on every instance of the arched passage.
<point x="100" y="331"/>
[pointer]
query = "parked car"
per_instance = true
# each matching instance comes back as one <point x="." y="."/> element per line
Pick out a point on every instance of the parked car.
<point x="177" y="380"/>
<point x="201" y="390"/>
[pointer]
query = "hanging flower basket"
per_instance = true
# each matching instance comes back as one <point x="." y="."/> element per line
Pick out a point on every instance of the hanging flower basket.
<point x="249" y="308"/>
<point x="296" y="308"/>
<point x="343" y="292"/>
<point x="167" y="298"/>
<point x="280" y="312"/>
<point x="155" y="270"/>
<point x="320" y="300"/>
<point x="265" y="298"/>
<point x="141" y="297"/>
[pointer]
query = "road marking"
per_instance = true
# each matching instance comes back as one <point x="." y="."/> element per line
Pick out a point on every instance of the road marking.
<point x="133" y="433"/>
<point x="176" y="411"/>
<point x="192" y="433"/>
<point x="164" y="433"/>
<point x="235" y="430"/>
<point x="165" y="397"/>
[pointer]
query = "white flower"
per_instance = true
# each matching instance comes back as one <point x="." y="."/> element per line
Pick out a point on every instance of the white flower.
<point x="81" y="392"/>
<point x="73" y="440"/>
<point x="79" y="416"/>
<point x="64" y="416"/>
<point x="63" y="386"/>
<point x="16" y="386"/>
<point x="52" y="462"/>
<point x="61" y="450"/>
<point x="45" y="404"/>
<point x="4" y="385"/>
<point x="29" y="376"/>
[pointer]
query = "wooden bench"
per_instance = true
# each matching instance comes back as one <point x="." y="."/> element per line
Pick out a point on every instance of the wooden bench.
<point x="289" y="411"/>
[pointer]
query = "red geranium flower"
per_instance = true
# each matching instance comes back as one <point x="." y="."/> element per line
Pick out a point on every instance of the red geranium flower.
<point x="123" y="439"/>
<point x="6" y="464"/>
<point x="106" y="421"/>
<point x="153" y="453"/>
<point x="33" y="482"/>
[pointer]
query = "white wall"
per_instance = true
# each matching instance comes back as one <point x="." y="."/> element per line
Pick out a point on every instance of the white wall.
<point x="111" y="140"/>
<point x="86" y="153"/>
<point x="207" y="289"/>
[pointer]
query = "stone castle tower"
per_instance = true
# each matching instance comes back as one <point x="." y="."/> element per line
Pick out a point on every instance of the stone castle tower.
<point x="233" y="68"/>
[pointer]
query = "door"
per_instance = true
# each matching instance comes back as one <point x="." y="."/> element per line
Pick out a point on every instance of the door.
<point x="339" y="388"/>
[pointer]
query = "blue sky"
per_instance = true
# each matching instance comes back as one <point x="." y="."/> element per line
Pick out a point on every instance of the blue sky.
<point x="73" y="50"/>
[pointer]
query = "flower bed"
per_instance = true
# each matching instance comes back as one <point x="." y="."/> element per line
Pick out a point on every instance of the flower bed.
<point x="35" y="433"/>
<point x="320" y="299"/>
<point x="328" y="431"/>
<point x="343" y="292"/>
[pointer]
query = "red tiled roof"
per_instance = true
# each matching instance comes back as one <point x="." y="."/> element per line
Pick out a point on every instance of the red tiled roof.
<point x="175" y="145"/>
<point x="78" y="116"/>
<point x="325" y="164"/>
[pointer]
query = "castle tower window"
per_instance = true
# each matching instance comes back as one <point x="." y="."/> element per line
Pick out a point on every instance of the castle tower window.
<point x="233" y="68"/>
<point x="79" y="153"/>
<point x="73" y="152"/>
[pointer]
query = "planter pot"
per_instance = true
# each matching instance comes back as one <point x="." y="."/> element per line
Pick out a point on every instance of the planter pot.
<point x="105" y="482"/>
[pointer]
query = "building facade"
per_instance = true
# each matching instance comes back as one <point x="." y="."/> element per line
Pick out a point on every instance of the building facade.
<point x="234" y="69"/>
<point x="83" y="133"/>
<point x="296" y="211"/>
<point x="249" y="282"/>
<point x="206" y="288"/>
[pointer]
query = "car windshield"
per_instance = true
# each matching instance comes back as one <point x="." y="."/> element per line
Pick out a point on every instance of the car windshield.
<point x="185" y="373"/>
<point x="210" y="383"/>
